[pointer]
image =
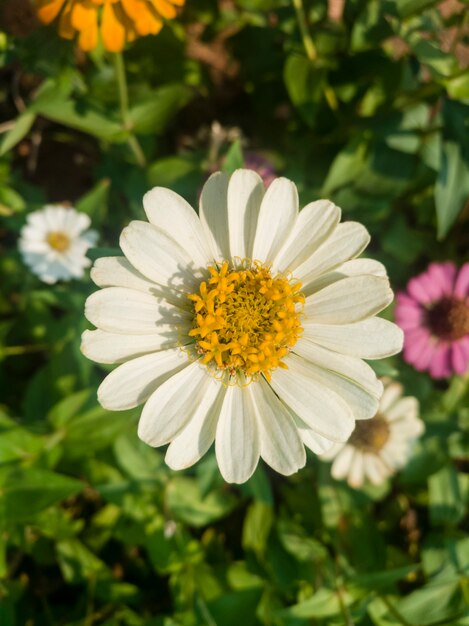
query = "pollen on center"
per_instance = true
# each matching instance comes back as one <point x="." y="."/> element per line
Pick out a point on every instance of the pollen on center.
<point x="245" y="319"/>
<point x="58" y="241"/>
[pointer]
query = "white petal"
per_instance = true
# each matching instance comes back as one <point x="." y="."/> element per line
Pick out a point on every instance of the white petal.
<point x="105" y="347"/>
<point x="349" y="300"/>
<point x="406" y="407"/>
<point x="237" y="444"/>
<point x="174" y="216"/>
<point x="311" y="439"/>
<point x="116" y="271"/>
<point x="374" y="469"/>
<point x="362" y="403"/>
<point x="312" y="227"/>
<point x="392" y="392"/>
<point x="319" y="407"/>
<point x="349" y="367"/>
<point x="355" y="267"/>
<point x="356" y="475"/>
<point x="245" y="192"/>
<point x="350" y="378"/>
<point x="127" y="311"/>
<point x="347" y="241"/>
<point x="277" y="216"/>
<point x="213" y="211"/>
<point x="199" y="434"/>
<point x="373" y="338"/>
<point x="341" y="466"/>
<point x="158" y="257"/>
<point x="281" y="445"/>
<point x="133" y="382"/>
<point x="173" y="404"/>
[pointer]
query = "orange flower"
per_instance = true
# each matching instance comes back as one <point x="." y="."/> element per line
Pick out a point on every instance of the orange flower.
<point x="118" y="21"/>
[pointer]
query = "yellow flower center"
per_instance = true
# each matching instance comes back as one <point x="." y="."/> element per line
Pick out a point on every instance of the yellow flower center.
<point x="370" y="435"/>
<point x="58" y="240"/>
<point x="245" y="320"/>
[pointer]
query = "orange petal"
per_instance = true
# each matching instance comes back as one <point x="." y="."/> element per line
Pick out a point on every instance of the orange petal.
<point x="66" y="29"/>
<point x="83" y="16"/>
<point x="48" y="10"/>
<point x="133" y="8"/>
<point x="164" y="9"/>
<point x="178" y="3"/>
<point x="88" y="39"/>
<point x="112" y="30"/>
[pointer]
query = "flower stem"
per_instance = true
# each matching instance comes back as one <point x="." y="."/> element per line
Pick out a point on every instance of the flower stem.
<point x="305" y="34"/>
<point x="124" y="106"/>
<point x="311" y="51"/>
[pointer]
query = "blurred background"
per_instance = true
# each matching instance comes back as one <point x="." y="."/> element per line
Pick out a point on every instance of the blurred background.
<point x="364" y="102"/>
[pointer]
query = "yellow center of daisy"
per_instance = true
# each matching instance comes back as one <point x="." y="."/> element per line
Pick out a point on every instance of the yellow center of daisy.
<point x="246" y="320"/>
<point x="58" y="240"/>
<point x="370" y="435"/>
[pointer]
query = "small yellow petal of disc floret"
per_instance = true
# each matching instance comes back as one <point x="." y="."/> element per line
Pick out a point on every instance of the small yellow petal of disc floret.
<point x="245" y="320"/>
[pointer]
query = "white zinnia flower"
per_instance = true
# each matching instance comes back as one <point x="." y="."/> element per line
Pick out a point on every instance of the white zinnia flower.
<point x="246" y="325"/>
<point x="382" y="445"/>
<point x="54" y="242"/>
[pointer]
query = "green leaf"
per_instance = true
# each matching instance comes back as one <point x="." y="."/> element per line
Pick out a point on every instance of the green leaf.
<point x="184" y="500"/>
<point x="94" y="203"/>
<point x="26" y="492"/>
<point x="93" y="430"/>
<point x="346" y="166"/>
<point x="257" y="525"/>
<point x="305" y="85"/>
<point x="408" y="7"/>
<point x="435" y="603"/>
<point x="446" y="504"/>
<point x="77" y="562"/>
<point x="17" y="443"/>
<point x="22" y="126"/>
<point x="324" y="603"/>
<point x="234" y="609"/>
<point x="297" y="543"/>
<point x="234" y="158"/>
<point x="153" y="112"/>
<point x="452" y="186"/>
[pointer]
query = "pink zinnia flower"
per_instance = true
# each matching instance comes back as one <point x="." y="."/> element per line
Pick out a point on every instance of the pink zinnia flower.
<point x="434" y="315"/>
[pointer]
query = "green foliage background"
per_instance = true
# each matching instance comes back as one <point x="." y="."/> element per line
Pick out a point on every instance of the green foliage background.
<point x="370" y="111"/>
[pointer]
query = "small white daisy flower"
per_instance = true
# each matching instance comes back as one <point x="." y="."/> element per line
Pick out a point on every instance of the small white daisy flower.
<point x="379" y="447"/>
<point x="245" y="326"/>
<point x="54" y="242"/>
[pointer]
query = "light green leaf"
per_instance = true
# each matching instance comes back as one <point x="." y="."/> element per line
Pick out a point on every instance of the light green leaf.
<point x="26" y="492"/>
<point x="305" y="85"/>
<point x="94" y="203"/>
<point x="452" y="187"/>
<point x="184" y="500"/>
<point x="257" y="525"/>
<point x="21" y="128"/>
<point x="153" y="112"/>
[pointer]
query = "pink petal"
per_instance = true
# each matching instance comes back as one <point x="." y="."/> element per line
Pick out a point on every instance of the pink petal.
<point x="461" y="287"/>
<point x="443" y="274"/>
<point x="404" y="298"/>
<point x="423" y="360"/>
<point x="459" y="357"/>
<point x="440" y="365"/>
<point x="415" y="342"/>
<point x="432" y="287"/>
<point x="417" y="289"/>
<point x="409" y="316"/>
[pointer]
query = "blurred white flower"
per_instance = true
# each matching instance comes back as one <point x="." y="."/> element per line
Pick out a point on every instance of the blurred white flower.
<point x="245" y="326"/>
<point x="54" y="242"/>
<point x="380" y="446"/>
